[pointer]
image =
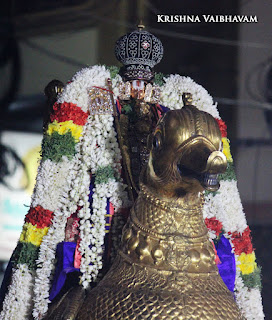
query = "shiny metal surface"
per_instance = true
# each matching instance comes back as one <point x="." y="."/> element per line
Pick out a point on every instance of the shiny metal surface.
<point x="165" y="267"/>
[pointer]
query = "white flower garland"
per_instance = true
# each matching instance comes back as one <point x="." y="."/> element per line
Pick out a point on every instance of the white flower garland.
<point x="51" y="177"/>
<point x="17" y="303"/>
<point x="99" y="149"/>
<point x="117" y="81"/>
<point x="173" y="89"/>
<point x="56" y="232"/>
<point x="228" y="210"/>
<point x="91" y="257"/>
<point x="49" y="186"/>
<point x="97" y="132"/>
<point x="77" y="90"/>
<point x="248" y="300"/>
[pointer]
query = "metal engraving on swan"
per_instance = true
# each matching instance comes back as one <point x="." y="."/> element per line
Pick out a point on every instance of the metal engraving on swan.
<point x="165" y="267"/>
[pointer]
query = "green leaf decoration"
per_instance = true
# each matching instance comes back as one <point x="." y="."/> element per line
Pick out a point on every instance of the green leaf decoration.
<point x="158" y="78"/>
<point x="206" y="193"/>
<point x="113" y="71"/>
<point x="55" y="146"/>
<point x="253" y="280"/>
<point x="103" y="174"/>
<point x="126" y="109"/>
<point x="229" y="174"/>
<point x="26" y="253"/>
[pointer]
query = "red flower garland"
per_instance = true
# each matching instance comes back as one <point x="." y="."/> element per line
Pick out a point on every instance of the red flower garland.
<point x="214" y="224"/>
<point x="222" y="127"/>
<point x="39" y="216"/>
<point x="68" y="111"/>
<point x="242" y="242"/>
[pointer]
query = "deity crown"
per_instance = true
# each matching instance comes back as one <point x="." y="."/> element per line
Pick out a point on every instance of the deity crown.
<point x="139" y="51"/>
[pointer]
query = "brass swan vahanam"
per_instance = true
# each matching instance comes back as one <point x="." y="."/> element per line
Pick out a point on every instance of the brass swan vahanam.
<point x="165" y="268"/>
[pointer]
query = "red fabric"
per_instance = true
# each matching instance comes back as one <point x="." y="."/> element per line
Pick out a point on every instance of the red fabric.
<point x="77" y="261"/>
<point x="242" y="242"/>
<point x="39" y="216"/>
<point x="217" y="260"/>
<point x="119" y="106"/>
<point x="68" y="111"/>
<point x="159" y="110"/>
<point x="72" y="228"/>
<point x="103" y="89"/>
<point x="214" y="224"/>
<point x="111" y="212"/>
<point x="222" y="127"/>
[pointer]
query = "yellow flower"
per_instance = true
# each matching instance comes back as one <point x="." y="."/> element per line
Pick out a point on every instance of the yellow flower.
<point x="226" y="149"/>
<point x="33" y="234"/>
<point x="247" y="262"/>
<point x="64" y="127"/>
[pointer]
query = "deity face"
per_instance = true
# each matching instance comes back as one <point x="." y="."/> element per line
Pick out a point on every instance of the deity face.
<point x="186" y="153"/>
<point x="137" y="89"/>
<point x="140" y="90"/>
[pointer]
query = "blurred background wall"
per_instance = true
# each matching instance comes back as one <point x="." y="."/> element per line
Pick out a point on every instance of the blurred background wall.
<point x="46" y="40"/>
<point x="254" y="126"/>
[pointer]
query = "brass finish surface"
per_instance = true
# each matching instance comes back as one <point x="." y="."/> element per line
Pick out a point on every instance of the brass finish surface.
<point x="165" y="267"/>
<point x="68" y="305"/>
<point x="135" y="128"/>
<point x="187" y="98"/>
<point x="51" y="91"/>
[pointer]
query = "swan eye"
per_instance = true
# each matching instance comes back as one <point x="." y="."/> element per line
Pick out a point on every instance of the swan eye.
<point x="157" y="141"/>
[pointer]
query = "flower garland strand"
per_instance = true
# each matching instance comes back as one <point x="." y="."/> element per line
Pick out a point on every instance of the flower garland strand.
<point x="94" y="151"/>
<point x="45" y="261"/>
<point x="229" y="220"/>
<point x="173" y="89"/>
<point x="101" y="140"/>
<point x="50" y="183"/>
<point x="67" y="205"/>
<point x="36" y="226"/>
<point x="17" y="304"/>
